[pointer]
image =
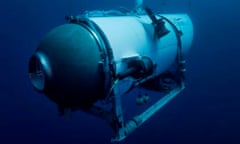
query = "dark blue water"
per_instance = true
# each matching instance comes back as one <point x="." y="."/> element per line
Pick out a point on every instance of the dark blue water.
<point x="207" y="112"/>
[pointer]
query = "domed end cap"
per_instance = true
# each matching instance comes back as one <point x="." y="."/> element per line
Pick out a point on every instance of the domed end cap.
<point x="70" y="60"/>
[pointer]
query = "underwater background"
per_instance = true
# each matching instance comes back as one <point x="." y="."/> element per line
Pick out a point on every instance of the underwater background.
<point x="207" y="112"/>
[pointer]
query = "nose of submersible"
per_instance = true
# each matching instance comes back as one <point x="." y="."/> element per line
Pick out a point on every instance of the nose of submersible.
<point x="65" y="67"/>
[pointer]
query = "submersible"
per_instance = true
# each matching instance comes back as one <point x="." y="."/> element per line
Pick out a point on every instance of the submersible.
<point x="80" y="64"/>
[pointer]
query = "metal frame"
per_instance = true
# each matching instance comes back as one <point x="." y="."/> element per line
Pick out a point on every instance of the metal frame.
<point x="115" y="117"/>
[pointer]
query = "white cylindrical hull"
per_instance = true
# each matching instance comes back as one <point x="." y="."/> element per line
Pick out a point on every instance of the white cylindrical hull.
<point x="134" y="36"/>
